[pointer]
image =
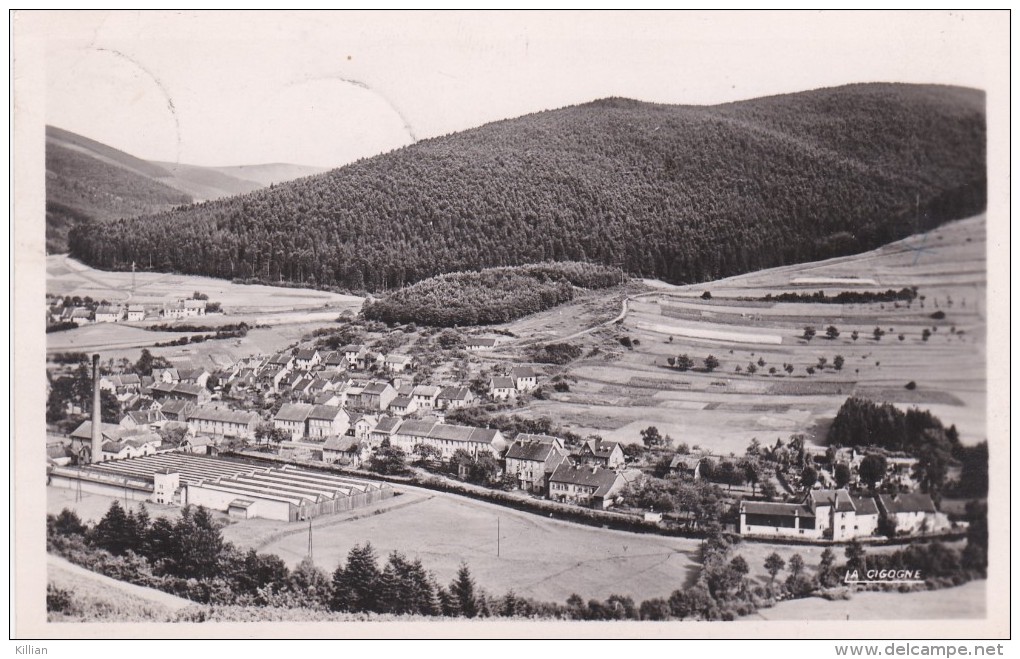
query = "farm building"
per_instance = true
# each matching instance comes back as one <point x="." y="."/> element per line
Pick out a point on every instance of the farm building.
<point x="109" y="314"/>
<point x="824" y="514"/>
<point x="239" y="489"/>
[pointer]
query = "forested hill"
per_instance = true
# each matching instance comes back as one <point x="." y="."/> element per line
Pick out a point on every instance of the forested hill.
<point x="681" y="193"/>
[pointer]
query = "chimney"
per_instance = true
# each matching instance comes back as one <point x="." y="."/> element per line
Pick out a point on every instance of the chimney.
<point x="97" y="415"/>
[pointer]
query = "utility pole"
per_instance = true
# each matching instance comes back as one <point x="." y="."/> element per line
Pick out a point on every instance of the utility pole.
<point x="497" y="536"/>
<point x="309" y="536"/>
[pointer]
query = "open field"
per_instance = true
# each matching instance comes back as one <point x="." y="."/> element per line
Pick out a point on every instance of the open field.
<point x="538" y="557"/>
<point x="963" y="602"/>
<point x="290" y="313"/>
<point x="621" y="390"/>
<point x="66" y="276"/>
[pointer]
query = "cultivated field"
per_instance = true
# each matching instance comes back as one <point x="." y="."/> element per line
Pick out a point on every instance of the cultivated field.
<point x="66" y="276"/>
<point x="963" y="602"/>
<point x="538" y="557"/>
<point x="289" y="313"/>
<point x="618" y="391"/>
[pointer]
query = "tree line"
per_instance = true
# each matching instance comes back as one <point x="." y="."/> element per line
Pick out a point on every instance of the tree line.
<point x="489" y="297"/>
<point x="684" y="194"/>
<point x="189" y="558"/>
<point x="919" y="433"/>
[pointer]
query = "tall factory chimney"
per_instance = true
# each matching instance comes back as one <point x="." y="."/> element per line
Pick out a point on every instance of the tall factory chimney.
<point x="97" y="414"/>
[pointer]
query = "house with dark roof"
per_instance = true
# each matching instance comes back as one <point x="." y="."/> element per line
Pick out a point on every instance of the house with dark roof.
<point x="335" y="360"/>
<point x="345" y="451"/>
<point x="395" y="363"/>
<point x="131" y="447"/>
<point x="402" y="406"/>
<point x="145" y="419"/>
<point x="109" y="314"/>
<point x="362" y="425"/>
<point x="384" y="430"/>
<point x="328" y="421"/>
<point x="293" y="419"/>
<point x="475" y="343"/>
<point x="525" y="377"/>
<point x="686" y="466"/>
<point x="502" y="388"/>
<point x="452" y="398"/>
<point x="135" y="313"/>
<point x="378" y="395"/>
<point x="425" y="395"/>
<point x="585" y="485"/>
<point x="600" y="452"/>
<point x="449" y="438"/>
<point x="306" y="360"/>
<point x="823" y="514"/>
<point x="912" y="513"/>
<point x="220" y="422"/>
<point x="352" y="352"/>
<point x="176" y="410"/>
<point x="532" y="460"/>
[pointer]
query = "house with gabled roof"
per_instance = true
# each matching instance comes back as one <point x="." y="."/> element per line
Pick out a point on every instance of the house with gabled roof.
<point x="532" y="459"/>
<point x="135" y="313"/>
<point x="449" y="438"/>
<point x="335" y="360"/>
<point x="352" y="352"/>
<point x="378" y="395"/>
<point x="109" y="313"/>
<point x="282" y="360"/>
<point x="912" y="513"/>
<point x="395" y="363"/>
<point x="502" y="388"/>
<point x="144" y="419"/>
<point x="425" y="395"/>
<point x="329" y="398"/>
<point x="585" y="485"/>
<point x="402" y="406"/>
<point x="168" y="375"/>
<point x="362" y="425"/>
<point x="345" y="451"/>
<point x="452" y="398"/>
<point x="176" y="410"/>
<point x="384" y="430"/>
<point x="307" y="359"/>
<point x="525" y="378"/>
<point x="293" y="419"/>
<point x="822" y="514"/>
<point x="81" y="316"/>
<point x="686" y="466"/>
<point x="327" y="421"/>
<point x="600" y="452"/>
<point x="220" y="422"/>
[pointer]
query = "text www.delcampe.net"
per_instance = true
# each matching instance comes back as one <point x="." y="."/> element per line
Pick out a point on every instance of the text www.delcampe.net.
<point x="919" y="650"/>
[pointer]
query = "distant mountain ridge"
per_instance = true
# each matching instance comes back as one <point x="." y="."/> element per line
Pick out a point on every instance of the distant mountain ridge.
<point x="88" y="180"/>
<point x="681" y="193"/>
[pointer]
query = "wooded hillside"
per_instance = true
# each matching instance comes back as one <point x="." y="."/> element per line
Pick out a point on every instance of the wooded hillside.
<point x="680" y="193"/>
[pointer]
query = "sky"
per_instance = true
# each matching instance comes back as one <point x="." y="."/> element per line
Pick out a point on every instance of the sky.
<point x="325" y="89"/>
